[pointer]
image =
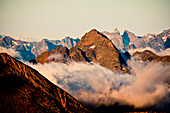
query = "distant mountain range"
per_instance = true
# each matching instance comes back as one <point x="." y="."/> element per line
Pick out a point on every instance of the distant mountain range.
<point x="129" y="40"/>
<point x="30" y="50"/>
<point x="96" y="47"/>
<point x="93" y="47"/>
<point x="126" y="42"/>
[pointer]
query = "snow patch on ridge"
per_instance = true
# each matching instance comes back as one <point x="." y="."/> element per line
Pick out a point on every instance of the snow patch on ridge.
<point x="164" y="38"/>
<point x="92" y="47"/>
<point x="150" y="36"/>
<point x="28" y="44"/>
<point x="15" y="42"/>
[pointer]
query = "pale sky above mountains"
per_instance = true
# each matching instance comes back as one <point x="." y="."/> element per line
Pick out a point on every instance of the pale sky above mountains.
<point x="56" y="19"/>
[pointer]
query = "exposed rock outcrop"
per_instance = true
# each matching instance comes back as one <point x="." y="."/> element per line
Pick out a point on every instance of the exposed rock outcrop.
<point x="93" y="47"/>
<point x="148" y="55"/>
<point x="96" y="47"/>
<point x="23" y="89"/>
<point x="59" y="54"/>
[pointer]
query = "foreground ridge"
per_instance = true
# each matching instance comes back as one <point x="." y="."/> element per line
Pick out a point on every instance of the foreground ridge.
<point x="23" y="89"/>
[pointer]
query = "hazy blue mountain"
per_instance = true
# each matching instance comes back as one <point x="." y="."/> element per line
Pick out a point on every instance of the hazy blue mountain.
<point x="129" y="40"/>
<point x="30" y="50"/>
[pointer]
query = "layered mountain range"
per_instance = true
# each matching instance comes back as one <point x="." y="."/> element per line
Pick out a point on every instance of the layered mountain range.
<point x="23" y="89"/>
<point x="30" y="50"/>
<point x="129" y="40"/>
<point x="26" y="90"/>
<point x="96" y="47"/>
<point x="93" y="47"/>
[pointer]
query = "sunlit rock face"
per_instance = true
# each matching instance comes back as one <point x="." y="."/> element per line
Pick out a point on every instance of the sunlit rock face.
<point x="150" y="56"/>
<point x="96" y="47"/>
<point x="24" y="89"/>
<point x="59" y="54"/>
<point x="93" y="47"/>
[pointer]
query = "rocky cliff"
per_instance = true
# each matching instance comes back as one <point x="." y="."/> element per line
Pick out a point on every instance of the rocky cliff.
<point x="23" y="89"/>
<point x="93" y="47"/>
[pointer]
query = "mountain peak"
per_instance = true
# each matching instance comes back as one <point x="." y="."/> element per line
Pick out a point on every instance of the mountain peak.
<point x="93" y="30"/>
<point x="96" y="47"/>
<point x="45" y="39"/>
<point x="1" y="36"/>
<point x="116" y="31"/>
<point x="67" y="37"/>
<point x="94" y="34"/>
<point x="127" y="32"/>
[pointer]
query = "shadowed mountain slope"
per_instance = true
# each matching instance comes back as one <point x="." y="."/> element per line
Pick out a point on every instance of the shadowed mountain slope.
<point x="96" y="47"/>
<point x="93" y="47"/>
<point x="23" y="89"/>
<point x="59" y="54"/>
<point x="148" y="55"/>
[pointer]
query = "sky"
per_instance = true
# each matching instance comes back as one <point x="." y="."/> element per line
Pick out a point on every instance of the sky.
<point x="56" y="19"/>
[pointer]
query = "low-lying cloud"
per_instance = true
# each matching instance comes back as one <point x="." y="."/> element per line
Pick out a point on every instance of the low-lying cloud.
<point x="11" y="52"/>
<point x="97" y="85"/>
<point x="159" y="53"/>
<point x="164" y="52"/>
<point x="54" y="56"/>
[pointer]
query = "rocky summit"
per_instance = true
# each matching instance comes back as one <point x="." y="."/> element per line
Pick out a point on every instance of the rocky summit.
<point x="93" y="47"/>
<point x="148" y="55"/>
<point x="23" y="89"/>
<point x="59" y="54"/>
<point x="96" y="47"/>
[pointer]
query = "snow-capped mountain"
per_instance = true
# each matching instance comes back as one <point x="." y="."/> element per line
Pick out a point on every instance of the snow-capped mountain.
<point x="116" y="38"/>
<point x="29" y="50"/>
<point x="93" y="47"/>
<point x="129" y="40"/>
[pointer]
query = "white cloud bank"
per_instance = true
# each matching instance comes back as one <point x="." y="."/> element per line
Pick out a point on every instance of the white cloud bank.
<point x="10" y="51"/>
<point x="54" y="56"/>
<point x="96" y="85"/>
<point x="160" y="53"/>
